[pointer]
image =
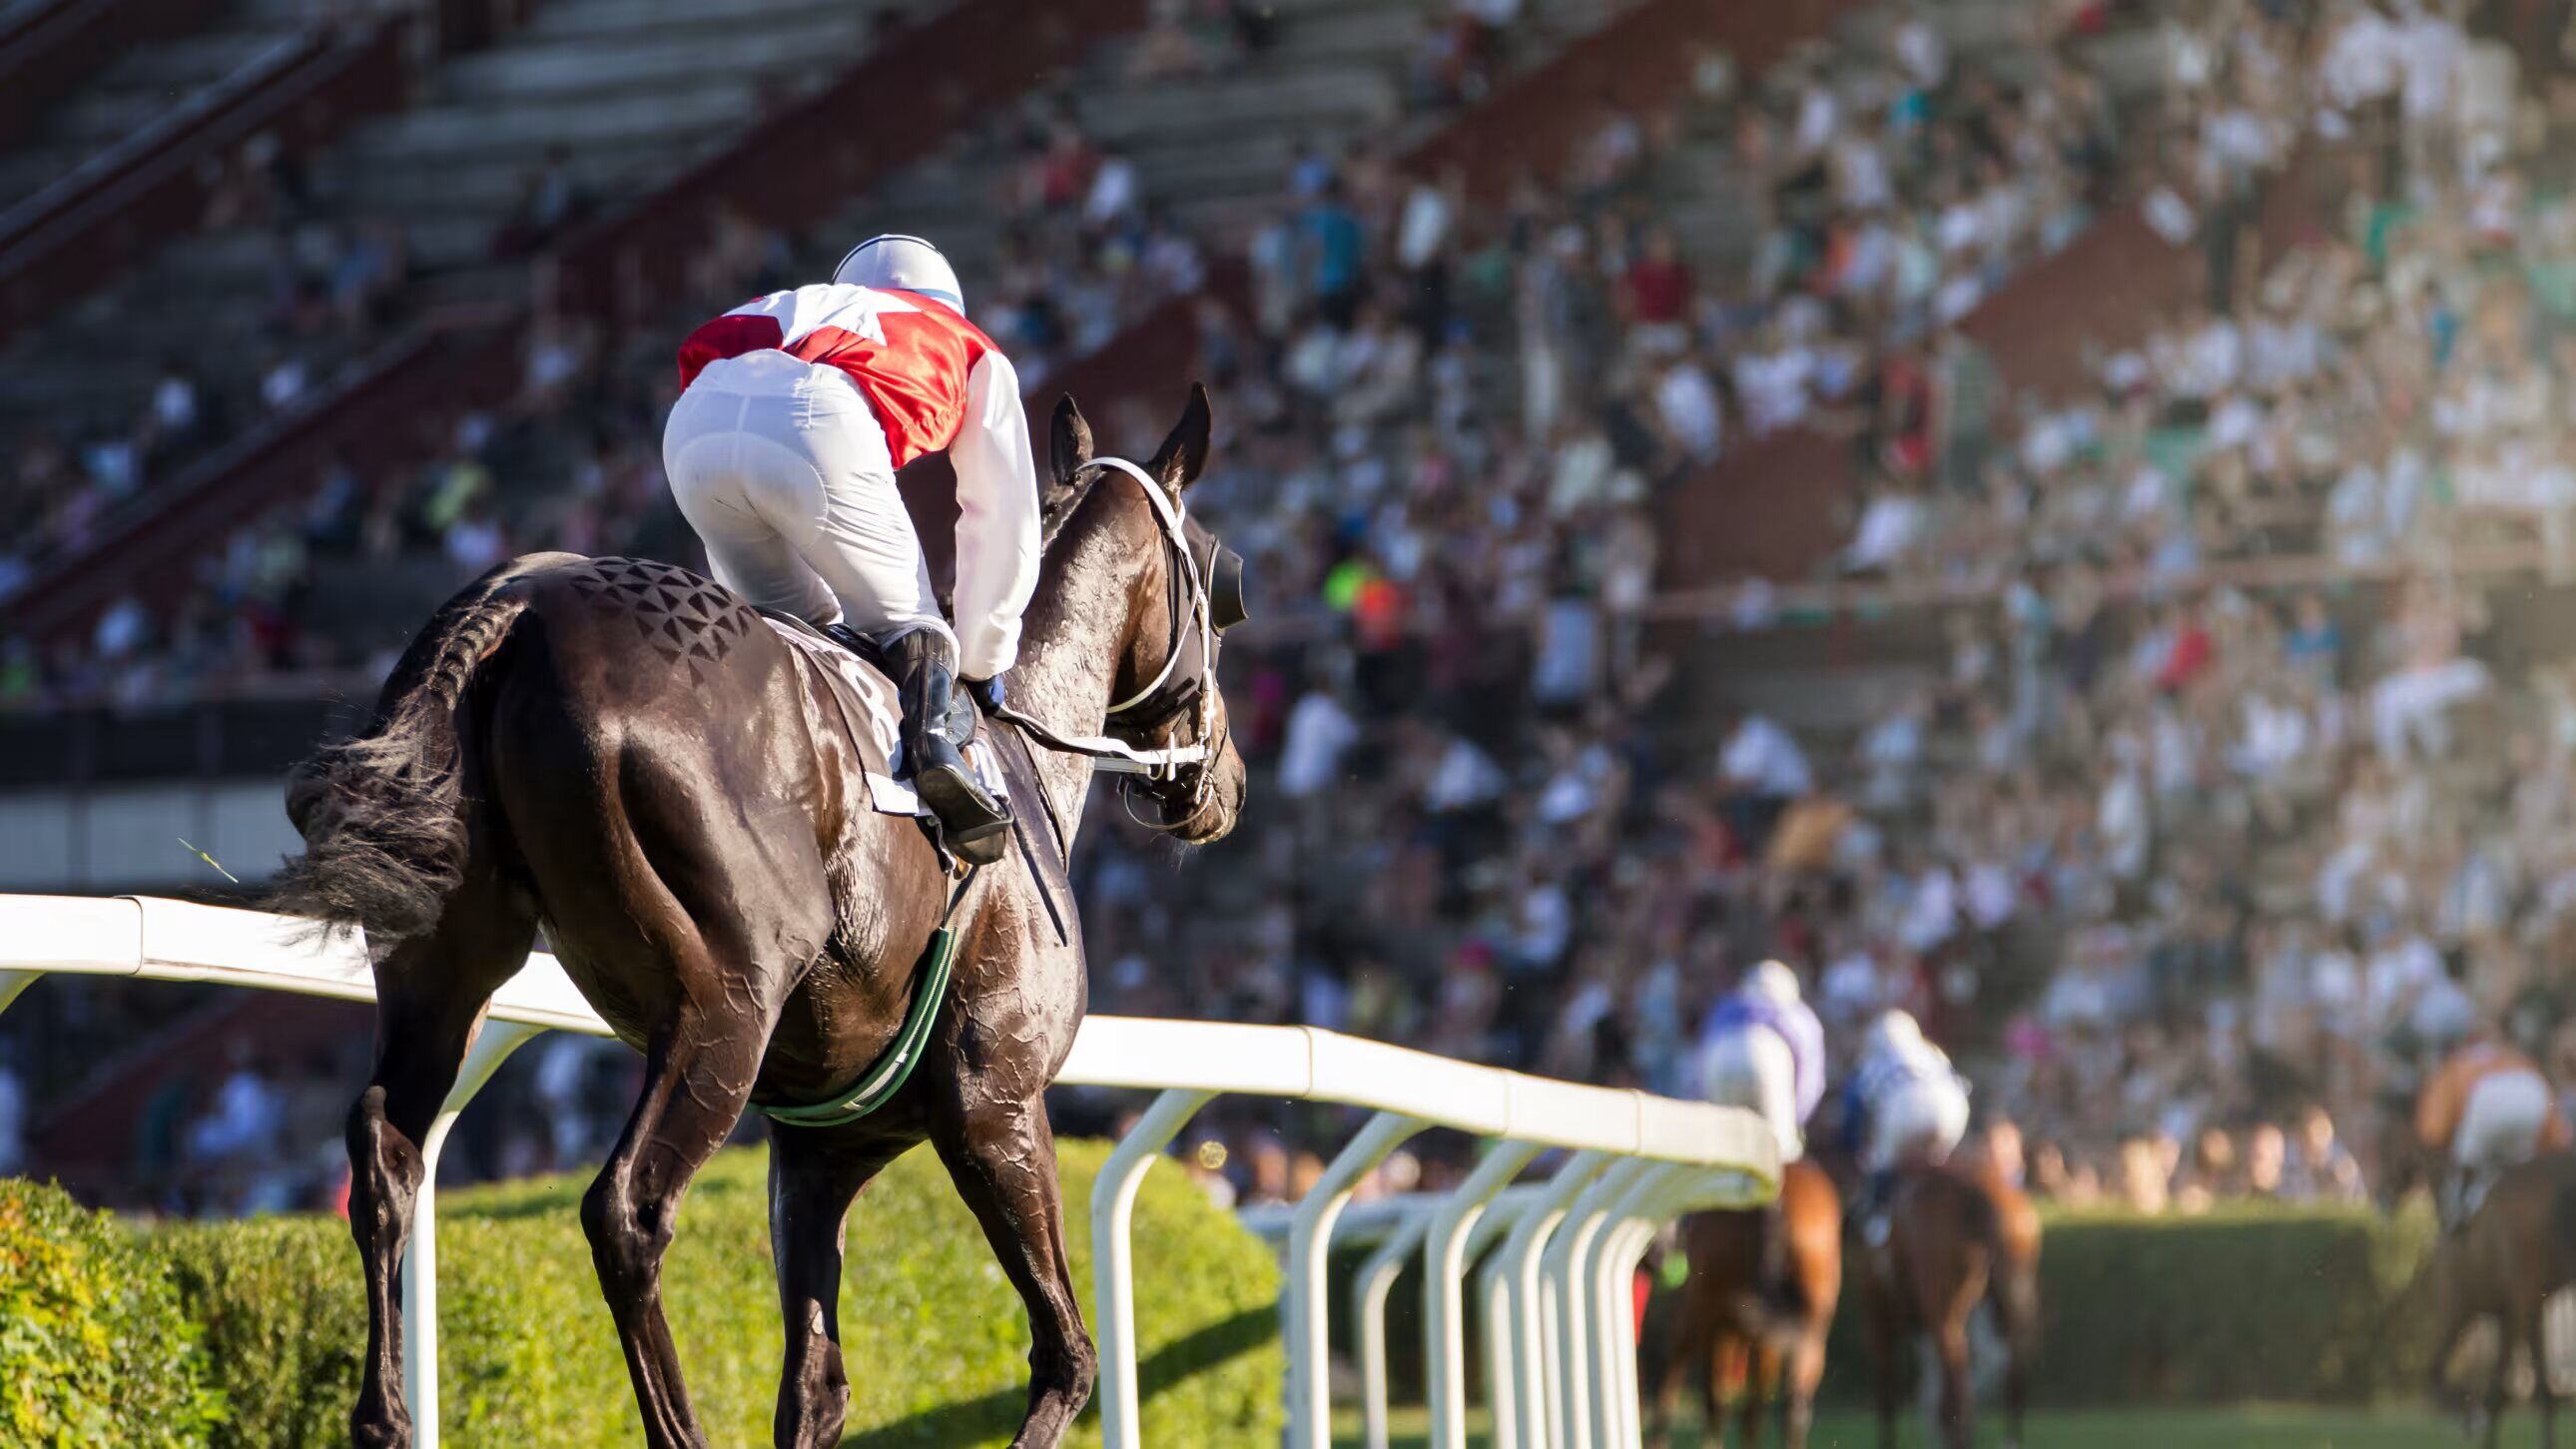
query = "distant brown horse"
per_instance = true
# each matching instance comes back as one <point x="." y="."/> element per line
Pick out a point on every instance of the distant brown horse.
<point x="1731" y="1325"/>
<point x="1958" y="1235"/>
<point x="2503" y="1264"/>
<point x="621" y="752"/>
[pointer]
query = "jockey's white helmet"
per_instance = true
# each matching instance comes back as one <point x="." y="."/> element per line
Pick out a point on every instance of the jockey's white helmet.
<point x="904" y="263"/>
<point x="1895" y="1033"/>
<point x="1773" y="982"/>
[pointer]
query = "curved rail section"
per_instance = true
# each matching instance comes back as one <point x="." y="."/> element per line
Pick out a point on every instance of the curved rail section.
<point x="1559" y="1328"/>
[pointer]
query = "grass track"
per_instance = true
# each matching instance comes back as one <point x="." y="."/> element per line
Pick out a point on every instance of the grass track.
<point x="2256" y="1426"/>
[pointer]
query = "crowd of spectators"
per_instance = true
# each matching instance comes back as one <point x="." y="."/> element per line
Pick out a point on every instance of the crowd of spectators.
<point x="2194" y="866"/>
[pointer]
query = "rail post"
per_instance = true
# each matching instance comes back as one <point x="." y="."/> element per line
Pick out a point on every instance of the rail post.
<point x="1517" y="1339"/>
<point x="492" y="1046"/>
<point x="1609" y="1267"/>
<point x="1113" y="1209"/>
<point x="1369" y="1293"/>
<point x="1568" y="1368"/>
<point x="1310" y="1234"/>
<point x="1448" y="1249"/>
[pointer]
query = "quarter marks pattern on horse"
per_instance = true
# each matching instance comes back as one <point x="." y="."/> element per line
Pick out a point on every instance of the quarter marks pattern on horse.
<point x="685" y="618"/>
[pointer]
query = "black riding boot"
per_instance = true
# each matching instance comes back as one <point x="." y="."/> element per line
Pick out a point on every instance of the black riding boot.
<point x="925" y="674"/>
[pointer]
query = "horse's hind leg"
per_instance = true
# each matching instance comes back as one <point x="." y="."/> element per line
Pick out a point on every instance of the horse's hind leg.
<point x="1001" y="1154"/>
<point x="698" y="1072"/>
<point x="430" y="995"/>
<point x="813" y="1178"/>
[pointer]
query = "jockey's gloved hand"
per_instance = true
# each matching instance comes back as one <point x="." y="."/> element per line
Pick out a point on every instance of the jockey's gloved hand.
<point x="987" y="693"/>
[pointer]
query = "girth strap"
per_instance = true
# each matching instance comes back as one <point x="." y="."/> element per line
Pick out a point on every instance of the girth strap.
<point x="877" y="1085"/>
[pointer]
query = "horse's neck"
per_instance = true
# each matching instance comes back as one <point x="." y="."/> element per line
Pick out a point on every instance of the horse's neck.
<point x="1062" y="682"/>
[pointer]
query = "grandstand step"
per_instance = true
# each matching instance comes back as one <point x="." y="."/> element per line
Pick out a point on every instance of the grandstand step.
<point x="1188" y="114"/>
<point x="193" y="60"/>
<point x="489" y="184"/>
<point x="583" y="67"/>
<point x="716" y="103"/>
<point x="140" y="87"/>
<point x="129" y="94"/>
<point x="558" y="20"/>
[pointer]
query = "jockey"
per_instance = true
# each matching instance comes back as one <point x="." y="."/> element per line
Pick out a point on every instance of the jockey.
<point x="2487" y="1108"/>
<point x="1905" y="1103"/>
<point x="1763" y="1048"/>
<point x="796" y="409"/>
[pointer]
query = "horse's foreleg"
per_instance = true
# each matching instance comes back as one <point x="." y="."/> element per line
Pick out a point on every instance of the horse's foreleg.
<point x="697" y="1077"/>
<point x="812" y="1181"/>
<point x="1952" y="1345"/>
<point x="1806" y="1370"/>
<point x="1761" y="1366"/>
<point x="1729" y="1358"/>
<point x="1001" y="1154"/>
<point x="430" y="996"/>
<point x="2543" y="1397"/>
<point x="1689" y="1345"/>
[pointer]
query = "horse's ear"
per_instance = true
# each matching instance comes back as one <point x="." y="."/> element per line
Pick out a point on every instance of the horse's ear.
<point x="1068" y="441"/>
<point x="1176" y="465"/>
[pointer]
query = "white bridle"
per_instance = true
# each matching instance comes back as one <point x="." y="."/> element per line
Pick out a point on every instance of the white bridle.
<point x="1164" y="762"/>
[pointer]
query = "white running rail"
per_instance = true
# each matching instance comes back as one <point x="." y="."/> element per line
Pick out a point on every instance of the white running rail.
<point x="1560" y="1334"/>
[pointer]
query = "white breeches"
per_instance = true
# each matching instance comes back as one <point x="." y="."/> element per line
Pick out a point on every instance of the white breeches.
<point x="1922" y="1118"/>
<point x="1754" y="1069"/>
<point x="2501" y="1123"/>
<point x="781" y="467"/>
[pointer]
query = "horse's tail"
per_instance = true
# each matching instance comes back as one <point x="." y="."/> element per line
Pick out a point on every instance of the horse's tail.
<point x="383" y="813"/>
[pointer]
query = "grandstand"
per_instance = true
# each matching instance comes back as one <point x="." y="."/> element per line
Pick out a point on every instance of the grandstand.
<point x="2053" y="517"/>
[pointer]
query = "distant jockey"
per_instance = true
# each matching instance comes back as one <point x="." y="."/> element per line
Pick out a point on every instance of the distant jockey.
<point x="796" y="410"/>
<point x="1905" y="1103"/>
<point x="1763" y="1048"/>
<point x="2485" y="1109"/>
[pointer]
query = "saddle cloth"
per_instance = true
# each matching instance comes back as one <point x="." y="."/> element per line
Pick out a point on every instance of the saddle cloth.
<point x="868" y="701"/>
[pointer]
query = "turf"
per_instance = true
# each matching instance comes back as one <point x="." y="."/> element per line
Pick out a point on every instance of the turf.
<point x="2260" y="1426"/>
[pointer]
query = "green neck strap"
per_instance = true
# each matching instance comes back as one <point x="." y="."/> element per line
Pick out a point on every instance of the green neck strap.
<point x="886" y="1076"/>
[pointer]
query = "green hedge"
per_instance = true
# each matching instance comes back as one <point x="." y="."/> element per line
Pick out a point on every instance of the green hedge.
<point x="94" y="1346"/>
<point x="935" y="1338"/>
<point x="2252" y="1301"/>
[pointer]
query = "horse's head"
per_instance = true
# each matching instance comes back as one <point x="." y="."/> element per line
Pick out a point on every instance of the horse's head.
<point x="1123" y="554"/>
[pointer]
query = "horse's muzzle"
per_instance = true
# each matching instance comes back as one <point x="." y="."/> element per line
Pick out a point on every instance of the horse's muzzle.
<point x="1221" y="807"/>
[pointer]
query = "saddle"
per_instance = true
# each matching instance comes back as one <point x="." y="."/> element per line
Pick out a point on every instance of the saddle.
<point x="851" y="672"/>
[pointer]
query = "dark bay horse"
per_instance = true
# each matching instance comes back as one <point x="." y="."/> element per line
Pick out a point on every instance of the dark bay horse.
<point x="1959" y="1235"/>
<point x="1729" y="1326"/>
<point x="623" y="754"/>
<point x="2504" y="1264"/>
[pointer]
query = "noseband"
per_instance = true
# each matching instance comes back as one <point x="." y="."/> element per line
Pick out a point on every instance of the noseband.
<point x="1185" y="687"/>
